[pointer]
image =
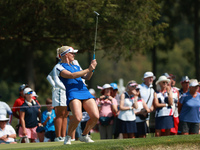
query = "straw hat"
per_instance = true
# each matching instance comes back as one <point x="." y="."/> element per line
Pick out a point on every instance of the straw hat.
<point x="162" y="78"/>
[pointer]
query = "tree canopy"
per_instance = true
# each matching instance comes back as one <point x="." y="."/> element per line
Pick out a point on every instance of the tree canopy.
<point x="31" y="31"/>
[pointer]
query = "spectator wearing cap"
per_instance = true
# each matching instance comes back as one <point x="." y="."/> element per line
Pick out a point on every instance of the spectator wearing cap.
<point x="188" y="107"/>
<point x="107" y="106"/>
<point x="77" y="93"/>
<point x="199" y="87"/>
<point x="7" y="132"/>
<point x="19" y="101"/>
<point x="127" y="116"/>
<point x="147" y="92"/>
<point x="29" y="113"/>
<point x="116" y="95"/>
<point x="163" y="100"/>
<point x="185" y="85"/>
<point x="16" y="106"/>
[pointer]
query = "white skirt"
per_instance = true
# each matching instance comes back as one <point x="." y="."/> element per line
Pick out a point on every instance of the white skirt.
<point x="59" y="97"/>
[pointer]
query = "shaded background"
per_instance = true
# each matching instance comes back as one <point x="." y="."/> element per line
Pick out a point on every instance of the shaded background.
<point x="133" y="37"/>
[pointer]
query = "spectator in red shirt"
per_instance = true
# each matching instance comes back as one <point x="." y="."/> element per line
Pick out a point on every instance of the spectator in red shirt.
<point x="18" y="102"/>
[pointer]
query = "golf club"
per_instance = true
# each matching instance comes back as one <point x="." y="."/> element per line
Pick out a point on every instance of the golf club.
<point x="95" y="37"/>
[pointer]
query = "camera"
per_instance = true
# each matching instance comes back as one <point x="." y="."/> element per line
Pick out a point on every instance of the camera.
<point x="106" y="97"/>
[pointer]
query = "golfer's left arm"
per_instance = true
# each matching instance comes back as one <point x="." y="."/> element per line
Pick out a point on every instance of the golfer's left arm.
<point x="88" y="75"/>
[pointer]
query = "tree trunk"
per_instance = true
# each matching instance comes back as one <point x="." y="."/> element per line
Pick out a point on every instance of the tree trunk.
<point x="154" y="60"/>
<point x="30" y="66"/>
<point x="196" y="38"/>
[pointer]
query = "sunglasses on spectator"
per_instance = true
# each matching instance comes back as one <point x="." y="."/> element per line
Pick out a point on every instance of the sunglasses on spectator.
<point x="164" y="82"/>
<point x="31" y="92"/>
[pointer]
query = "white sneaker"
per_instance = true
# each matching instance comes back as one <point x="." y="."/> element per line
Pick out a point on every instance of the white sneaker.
<point x="37" y="141"/>
<point x="46" y="139"/>
<point x="63" y="138"/>
<point x="67" y="140"/>
<point x="72" y="140"/>
<point x="59" y="139"/>
<point x="86" y="139"/>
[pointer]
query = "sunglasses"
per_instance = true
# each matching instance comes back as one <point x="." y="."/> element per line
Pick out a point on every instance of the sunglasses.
<point x="164" y="82"/>
<point x="31" y="92"/>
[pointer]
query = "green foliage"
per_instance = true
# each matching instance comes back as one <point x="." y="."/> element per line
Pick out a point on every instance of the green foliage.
<point x="31" y="31"/>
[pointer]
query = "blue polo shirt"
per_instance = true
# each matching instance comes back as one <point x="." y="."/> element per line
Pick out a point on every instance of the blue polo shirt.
<point x="190" y="111"/>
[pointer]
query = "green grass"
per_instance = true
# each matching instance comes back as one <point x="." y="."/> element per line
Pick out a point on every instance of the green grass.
<point x="170" y="142"/>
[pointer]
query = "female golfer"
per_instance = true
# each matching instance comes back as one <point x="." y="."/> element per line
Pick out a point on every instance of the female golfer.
<point x="77" y="93"/>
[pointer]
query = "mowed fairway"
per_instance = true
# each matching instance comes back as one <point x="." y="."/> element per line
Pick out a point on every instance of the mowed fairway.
<point x="179" y="142"/>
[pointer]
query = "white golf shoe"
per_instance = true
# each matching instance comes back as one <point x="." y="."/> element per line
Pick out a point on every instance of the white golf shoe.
<point x="86" y="139"/>
<point x="67" y="140"/>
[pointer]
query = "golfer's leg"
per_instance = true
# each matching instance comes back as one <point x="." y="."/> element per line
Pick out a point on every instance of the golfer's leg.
<point x="76" y="108"/>
<point x="91" y="107"/>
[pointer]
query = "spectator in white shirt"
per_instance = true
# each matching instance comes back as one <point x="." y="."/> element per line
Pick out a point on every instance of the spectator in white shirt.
<point x="147" y="92"/>
<point x="7" y="132"/>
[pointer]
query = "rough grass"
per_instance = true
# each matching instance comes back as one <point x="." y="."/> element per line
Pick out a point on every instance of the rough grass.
<point x="179" y="142"/>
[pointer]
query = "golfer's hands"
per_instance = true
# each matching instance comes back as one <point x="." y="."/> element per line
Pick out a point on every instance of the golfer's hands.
<point x="93" y="65"/>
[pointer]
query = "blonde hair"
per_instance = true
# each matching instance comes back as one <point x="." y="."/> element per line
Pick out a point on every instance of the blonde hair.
<point x="61" y="50"/>
<point x="129" y="82"/>
<point x="57" y="51"/>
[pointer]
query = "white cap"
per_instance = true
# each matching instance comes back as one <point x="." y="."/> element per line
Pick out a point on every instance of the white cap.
<point x="194" y="82"/>
<point x="26" y="90"/>
<point x="162" y="78"/>
<point x="3" y="118"/>
<point x="149" y="74"/>
<point x="105" y="86"/>
<point x="34" y="94"/>
<point x="185" y="79"/>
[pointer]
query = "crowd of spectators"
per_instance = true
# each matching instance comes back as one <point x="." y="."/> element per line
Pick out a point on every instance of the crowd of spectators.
<point x="176" y="111"/>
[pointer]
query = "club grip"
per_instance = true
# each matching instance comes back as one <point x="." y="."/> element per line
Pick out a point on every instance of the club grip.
<point x="93" y="59"/>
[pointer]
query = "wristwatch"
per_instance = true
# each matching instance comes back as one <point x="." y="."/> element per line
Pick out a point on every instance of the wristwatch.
<point x="7" y="135"/>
